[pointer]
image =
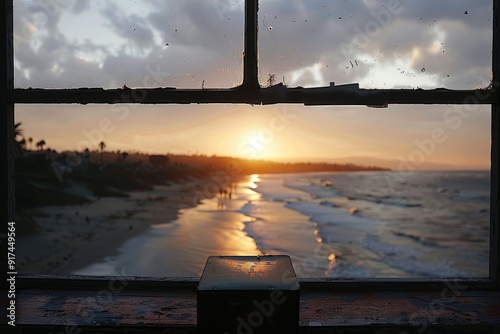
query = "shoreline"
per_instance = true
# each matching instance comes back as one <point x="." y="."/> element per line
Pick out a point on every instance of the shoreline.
<point x="170" y="230"/>
<point x="76" y="236"/>
<point x="215" y="226"/>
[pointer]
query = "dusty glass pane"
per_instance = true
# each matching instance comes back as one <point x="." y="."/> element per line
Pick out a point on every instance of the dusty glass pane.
<point x="397" y="192"/>
<point x="378" y="44"/>
<point x="147" y="43"/>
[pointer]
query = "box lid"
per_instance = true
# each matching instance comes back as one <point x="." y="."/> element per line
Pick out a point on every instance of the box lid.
<point x="269" y="272"/>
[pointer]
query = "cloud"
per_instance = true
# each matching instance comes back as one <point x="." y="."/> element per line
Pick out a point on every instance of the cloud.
<point x="195" y="43"/>
<point x="446" y="40"/>
<point x="133" y="28"/>
<point x="190" y="46"/>
<point x="81" y="6"/>
<point x="190" y="43"/>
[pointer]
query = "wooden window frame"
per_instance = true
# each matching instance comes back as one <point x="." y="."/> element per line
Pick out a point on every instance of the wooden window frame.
<point x="250" y="92"/>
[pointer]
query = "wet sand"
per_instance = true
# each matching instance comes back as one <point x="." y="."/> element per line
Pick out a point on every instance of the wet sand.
<point x="180" y="248"/>
<point x="76" y="236"/>
<point x="219" y="225"/>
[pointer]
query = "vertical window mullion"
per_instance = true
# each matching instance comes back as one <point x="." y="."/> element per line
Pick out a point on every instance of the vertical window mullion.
<point x="250" y="66"/>
<point x="7" y="107"/>
<point x="495" y="150"/>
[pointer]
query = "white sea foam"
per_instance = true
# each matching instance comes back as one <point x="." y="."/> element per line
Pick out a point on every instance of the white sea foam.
<point x="405" y="229"/>
<point x="410" y="259"/>
<point x="328" y="215"/>
<point x="316" y="190"/>
<point x="392" y="202"/>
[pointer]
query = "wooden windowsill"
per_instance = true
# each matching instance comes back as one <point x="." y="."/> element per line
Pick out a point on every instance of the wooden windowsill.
<point x="115" y="305"/>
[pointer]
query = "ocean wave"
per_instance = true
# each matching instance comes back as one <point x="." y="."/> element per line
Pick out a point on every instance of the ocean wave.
<point x="376" y="209"/>
<point x="419" y="239"/>
<point x="463" y="194"/>
<point x="247" y="208"/>
<point x="252" y="211"/>
<point x="329" y="215"/>
<point x="411" y="260"/>
<point x="385" y="200"/>
<point x="274" y="192"/>
<point x="467" y="195"/>
<point x="253" y="231"/>
<point x="315" y="190"/>
<point x="374" y="244"/>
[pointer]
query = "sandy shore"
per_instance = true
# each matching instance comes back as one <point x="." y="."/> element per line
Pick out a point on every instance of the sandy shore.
<point x="180" y="248"/>
<point x="76" y="236"/>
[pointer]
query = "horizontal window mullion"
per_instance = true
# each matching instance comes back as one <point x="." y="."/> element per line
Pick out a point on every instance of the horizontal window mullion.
<point x="337" y="95"/>
<point x="383" y="97"/>
<point x="140" y="96"/>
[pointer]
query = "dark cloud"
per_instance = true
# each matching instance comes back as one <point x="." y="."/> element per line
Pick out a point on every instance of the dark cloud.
<point x="80" y="6"/>
<point x="190" y="43"/>
<point x="133" y="28"/>
<point x="193" y="43"/>
<point x="198" y="23"/>
<point x="317" y="31"/>
<point x="476" y="13"/>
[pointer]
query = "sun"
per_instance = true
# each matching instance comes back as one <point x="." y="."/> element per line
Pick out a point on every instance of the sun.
<point x="255" y="142"/>
<point x="255" y="146"/>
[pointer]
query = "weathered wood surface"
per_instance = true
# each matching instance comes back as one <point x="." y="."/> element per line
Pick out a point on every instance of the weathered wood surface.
<point x="177" y="309"/>
<point x="419" y="309"/>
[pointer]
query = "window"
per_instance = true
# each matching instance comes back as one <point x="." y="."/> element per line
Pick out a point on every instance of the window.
<point x="261" y="81"/>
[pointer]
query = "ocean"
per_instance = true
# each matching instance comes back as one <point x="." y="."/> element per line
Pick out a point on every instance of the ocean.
<point x="340" y="225"/>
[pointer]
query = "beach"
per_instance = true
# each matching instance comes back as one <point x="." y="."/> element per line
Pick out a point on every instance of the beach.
<point x="70" y="219"/>
<point x="332" y="225"/>
<point x="180" y="247"/>
<point x="75" y="236"/>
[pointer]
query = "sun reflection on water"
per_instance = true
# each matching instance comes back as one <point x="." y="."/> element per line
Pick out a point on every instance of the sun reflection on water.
<point x="254" y="179"/>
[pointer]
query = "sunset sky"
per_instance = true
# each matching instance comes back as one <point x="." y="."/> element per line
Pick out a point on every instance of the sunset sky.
<point x="195" y="44"/>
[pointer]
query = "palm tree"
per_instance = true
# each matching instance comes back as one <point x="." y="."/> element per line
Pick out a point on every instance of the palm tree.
<point x="102" y="145"/>
<point x="21" y="146"/>
<point x="30" y="140"/>
<point x="21" y="143"/>
<point x="17" y="130"/>
<point x="271" y="79"/>
<point x="40" y="144"/>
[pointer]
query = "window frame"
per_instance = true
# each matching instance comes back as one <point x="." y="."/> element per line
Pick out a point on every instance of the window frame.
<point x="250" y="92"/>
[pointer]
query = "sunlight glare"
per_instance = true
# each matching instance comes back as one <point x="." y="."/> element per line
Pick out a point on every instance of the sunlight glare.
<point x="254" y="179"/>
<point x="256" y="143"/>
